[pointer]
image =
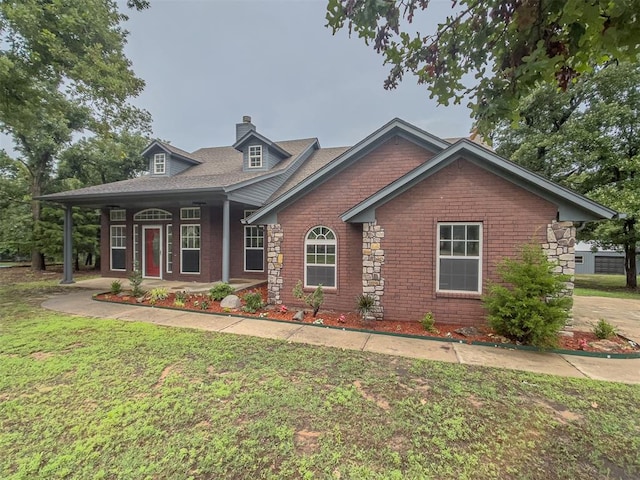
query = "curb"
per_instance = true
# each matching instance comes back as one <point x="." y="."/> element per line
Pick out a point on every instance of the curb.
<point x="506" y="346"/>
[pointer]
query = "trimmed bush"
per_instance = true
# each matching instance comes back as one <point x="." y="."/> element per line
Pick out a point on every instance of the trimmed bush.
<point x="252" y="302"/>
<point x="528" y="307"/>
<point x="315" y="299"/>
<point x="220" y="290"/>
<point x="116" y="287"/>
<point x="604" y="329"/>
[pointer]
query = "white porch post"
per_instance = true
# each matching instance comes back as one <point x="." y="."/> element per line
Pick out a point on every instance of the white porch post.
<point x="67" y="277"/>
<point x="225" y="241"/>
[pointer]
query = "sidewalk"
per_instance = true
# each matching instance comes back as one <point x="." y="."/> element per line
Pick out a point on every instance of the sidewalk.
<point x="79" y="302"/>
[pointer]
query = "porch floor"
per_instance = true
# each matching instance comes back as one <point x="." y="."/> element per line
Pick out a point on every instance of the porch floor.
<point x="104" y="284"/>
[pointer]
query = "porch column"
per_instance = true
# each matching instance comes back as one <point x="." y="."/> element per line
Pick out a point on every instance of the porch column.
<point x="225" y="241"/>
<point x="67" y="277"/>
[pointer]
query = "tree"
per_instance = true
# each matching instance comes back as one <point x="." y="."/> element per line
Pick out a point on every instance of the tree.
<point x="586" y="138"/>
<point x="62" y="71"/>
<point x="508" y="46"/>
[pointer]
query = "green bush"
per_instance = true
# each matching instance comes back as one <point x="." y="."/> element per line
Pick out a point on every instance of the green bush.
<point x="315" y="299"/>
<point x="365" y="304"/>
<point x="528" y="306"/>
<point x="252" y="302"/>
<point x="220" y="290"/>
<point x="428" y="322"/>
<point x="160" y="293"/>
<point x="116" y="287"/>
<point x="604" y="329"/>
<point x="135" y="279"/>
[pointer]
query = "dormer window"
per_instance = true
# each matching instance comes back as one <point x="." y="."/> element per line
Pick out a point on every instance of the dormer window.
<point x="255" y="156"/>
<point x="159" y="164"/>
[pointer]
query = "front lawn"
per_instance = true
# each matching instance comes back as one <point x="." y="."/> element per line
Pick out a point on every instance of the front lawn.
<point x="604" y="286"/>
<point x="85" y="399"/>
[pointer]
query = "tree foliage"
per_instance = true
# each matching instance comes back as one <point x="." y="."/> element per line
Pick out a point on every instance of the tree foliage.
<point x="63" y="72"/>
<point x="528" y="306"/>
<point x="493" y="51"/>
<point x="586" y="138"/>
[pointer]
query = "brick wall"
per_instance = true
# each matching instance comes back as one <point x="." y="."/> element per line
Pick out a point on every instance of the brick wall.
<point x="324" y="205"/>
<point x="461" y="192"/>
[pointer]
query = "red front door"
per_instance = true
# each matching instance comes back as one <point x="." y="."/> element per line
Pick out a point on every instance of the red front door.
<point x="152" y="252"/>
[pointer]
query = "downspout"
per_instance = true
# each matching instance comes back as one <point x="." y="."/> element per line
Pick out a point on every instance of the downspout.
<point x="67" y="277"/>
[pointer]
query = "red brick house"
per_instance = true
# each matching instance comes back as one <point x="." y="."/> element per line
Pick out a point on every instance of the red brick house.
<point x="416" y="221"/>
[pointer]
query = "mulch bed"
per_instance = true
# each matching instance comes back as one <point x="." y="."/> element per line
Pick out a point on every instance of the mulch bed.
<point x="585" y="341"/>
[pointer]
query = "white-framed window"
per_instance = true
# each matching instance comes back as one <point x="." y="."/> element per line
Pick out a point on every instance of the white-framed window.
<point x="190" y="248"/>
<point x="159" y="164"/>
<point x="190" y="213"/>
<point x="119" y="215"/>
<point x="255" y="156"/>
<point x="169" y="248"/>
<point x="579" y="259"/>
<point x="459" y="265"/>
<point x="136" y="246"/>
<point x="320" y="263"/>
<point x="118" y="245"/>
<point x="253" y="246"/>
<point x="152" y="214"/>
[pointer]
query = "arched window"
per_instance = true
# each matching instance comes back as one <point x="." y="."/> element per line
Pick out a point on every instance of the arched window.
<point x="320" y="247"/>
<point x="151" y="214"/>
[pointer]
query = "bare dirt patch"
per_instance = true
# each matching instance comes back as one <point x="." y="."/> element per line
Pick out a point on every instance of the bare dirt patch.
<point x="306" y="441"/>
<point x="41" y="355"/>
<point x="381" y="402"/>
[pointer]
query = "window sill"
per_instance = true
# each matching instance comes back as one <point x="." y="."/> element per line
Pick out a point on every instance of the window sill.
<point x="450" y="294"/>
<point x="329" y="290"/>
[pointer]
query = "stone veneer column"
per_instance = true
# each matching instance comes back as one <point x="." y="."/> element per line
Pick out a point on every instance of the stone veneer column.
<point x="274" y="263"/>
<point x="372" y="261"/>
<point x="560" y="249"/>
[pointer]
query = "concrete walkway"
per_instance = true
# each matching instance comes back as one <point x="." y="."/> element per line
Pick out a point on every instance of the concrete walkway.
<point x="79" y="302"/>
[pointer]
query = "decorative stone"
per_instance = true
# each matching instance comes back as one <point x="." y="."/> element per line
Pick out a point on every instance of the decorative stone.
<point x="299" y="316"/>
<point x="231" y="301"/>
<point x="468" y="331"/>
<point x="604" y="345"/>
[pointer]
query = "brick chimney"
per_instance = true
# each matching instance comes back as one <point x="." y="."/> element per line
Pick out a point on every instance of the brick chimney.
<point x="243" y="128"/>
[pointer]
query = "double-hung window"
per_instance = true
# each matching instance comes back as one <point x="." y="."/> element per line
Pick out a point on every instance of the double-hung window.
<point x="255" y="156"/>
<point x="190" y="248"/>
<point x="459" y="257"/>
<point x="118" y="247"/>
<point x="159" y="164"/>
<point x="320" y="257"/>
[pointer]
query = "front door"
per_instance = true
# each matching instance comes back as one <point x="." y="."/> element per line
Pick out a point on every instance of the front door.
<point x="152" y="252"/>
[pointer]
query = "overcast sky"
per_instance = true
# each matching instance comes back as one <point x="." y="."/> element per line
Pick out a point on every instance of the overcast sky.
<point x="207" y="63"/>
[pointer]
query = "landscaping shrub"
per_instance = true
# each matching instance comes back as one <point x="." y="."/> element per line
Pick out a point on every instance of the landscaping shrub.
<point x="528" y="307"/>
<point x="314" y="299"/>
<point x="604" y="329"/>
<point x="364" y="305"/>
<point x="220" y="290"/>
<point x="253" y="302"/>
<point x="428" y="322"/>
<point x="156" y="294"/>
<point x="135" y="279"/>
<point x="116" y="287"/>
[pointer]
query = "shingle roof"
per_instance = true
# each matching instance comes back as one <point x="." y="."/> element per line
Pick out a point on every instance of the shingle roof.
<point x="219" y="167"/>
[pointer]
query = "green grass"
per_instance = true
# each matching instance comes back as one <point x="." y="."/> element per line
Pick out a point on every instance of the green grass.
<point x="613" y="286"/>
<point x="104" y="399"/>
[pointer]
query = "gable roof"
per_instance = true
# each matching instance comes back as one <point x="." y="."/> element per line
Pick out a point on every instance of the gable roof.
<point x="168" y="148"/>
<point x="571" y="205"/>
<point x="395" y="127"/>
<point x="252" y="134"/>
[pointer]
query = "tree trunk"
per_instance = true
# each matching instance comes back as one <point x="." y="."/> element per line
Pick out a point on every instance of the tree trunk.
<point x="630" y="247"/>
<point x="96" y="266"/>
<point x="37" y="258"/>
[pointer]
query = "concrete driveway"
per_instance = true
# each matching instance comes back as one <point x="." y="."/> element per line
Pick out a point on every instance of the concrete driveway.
<point x="623" y="313"/>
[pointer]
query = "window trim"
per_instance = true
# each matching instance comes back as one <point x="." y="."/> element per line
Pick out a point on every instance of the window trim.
<point x="156" y="214"/>
<point x="199" y="249"/>
<point x="137" y="253"/>
<point x="333" y="242"/>
<point x="123" y="236"/>
<point x="255" y="155"/>
<point x="118" y="215"/>
<point x="576" y="257"/>
<point x="169" y="246"/>
<point x="190" y="213"/>
<point x="160" y="160"/>
<point x="244" y="237"/>
<point x="479" y="258"/>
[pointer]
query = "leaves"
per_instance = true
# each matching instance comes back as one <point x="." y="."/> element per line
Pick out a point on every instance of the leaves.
<point x="509" y="46"/>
